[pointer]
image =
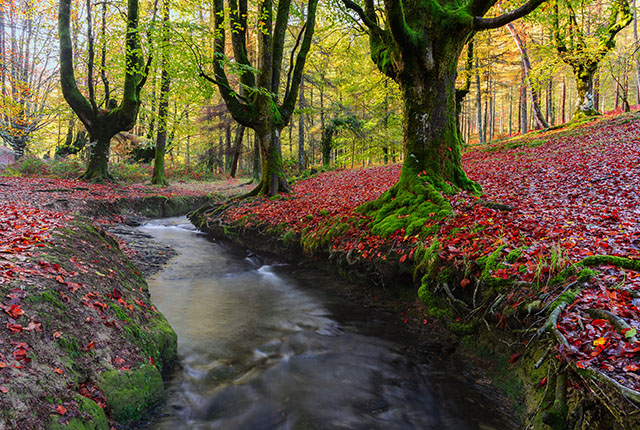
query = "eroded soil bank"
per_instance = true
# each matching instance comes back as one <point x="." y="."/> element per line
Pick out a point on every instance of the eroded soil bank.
<point x="82" y="345"/>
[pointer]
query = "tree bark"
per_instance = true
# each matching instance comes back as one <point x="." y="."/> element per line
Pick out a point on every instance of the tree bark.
<point x="159" y="177"/>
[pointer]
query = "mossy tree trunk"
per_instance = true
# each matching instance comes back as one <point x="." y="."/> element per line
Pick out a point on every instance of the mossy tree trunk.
<point x="583" y="53"/>
<point x="418" y="46"/>
<point x="583" y="74"/>
<point x="102" y="124"/>
<point x="258" y="103"/>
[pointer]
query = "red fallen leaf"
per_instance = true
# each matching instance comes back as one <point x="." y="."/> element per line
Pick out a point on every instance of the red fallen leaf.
<point x="140" y="302"/>
<point x="515" y="357"/>
<point x="599" y="322"/>
<point x="14" y="328"/>
<point x="60" y="279"/>
<point x="15" y="311"/>
<point x="58" y="371"/>
<point x="61" y="409"/>
<point x="631" y="368"/>
<point x="57" y="335"/>
<point x="152" y="361"/>
<point x="116" y="293"/>
<point x="424" y="321"/>
<point x="403" y="258"/>
<point x="543" y="382"/>
<point x="3" y="364"/>
<point x="20" y="354"/>
<point x="3" y="390"/>
<point x="465" y="282"/>
<point x="89" y="347"/>
<point x="99" y="306"/>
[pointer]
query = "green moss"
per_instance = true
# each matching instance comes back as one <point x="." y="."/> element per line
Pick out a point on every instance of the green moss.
<point x="130" y="394"/>
<point x="70" y="345"/>
<point x="92" y="417"/>
<point x="410" y="204"/>
<point x="290" y="238"/>
<point x="46" y="297"/>
<point x="513" y="256"/>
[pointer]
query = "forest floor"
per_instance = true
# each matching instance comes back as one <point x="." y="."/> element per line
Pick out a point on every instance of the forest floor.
<point x="572" y="195"/>
<point x="71" y="305"/>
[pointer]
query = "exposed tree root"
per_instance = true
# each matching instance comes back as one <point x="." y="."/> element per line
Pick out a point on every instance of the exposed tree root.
<point x="593" y="373"/>
<point x="617" y="322"/>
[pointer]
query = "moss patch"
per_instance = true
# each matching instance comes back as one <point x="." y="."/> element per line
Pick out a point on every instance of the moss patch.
<point x="130" y="394"/>
<point x="92" y="417"/>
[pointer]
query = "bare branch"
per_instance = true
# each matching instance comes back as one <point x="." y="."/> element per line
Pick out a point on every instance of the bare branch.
<point x="499" y="21"/>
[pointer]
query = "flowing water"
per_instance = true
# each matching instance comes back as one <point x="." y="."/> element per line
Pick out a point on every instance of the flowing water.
<point x="262" y="345"/>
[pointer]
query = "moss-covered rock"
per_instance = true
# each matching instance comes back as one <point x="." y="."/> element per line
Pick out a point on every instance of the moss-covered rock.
<point x="92" y="417"/>
<point x="130" y="394"/>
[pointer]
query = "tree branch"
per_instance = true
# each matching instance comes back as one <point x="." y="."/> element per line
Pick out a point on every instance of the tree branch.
<point x="279" y="31"/>
<point x="288" y="104"/>
<point x="369" y="21"/>
<point x="238" y="22"/>
<point x="480" y="23"/>
<point x="70" y="90"/>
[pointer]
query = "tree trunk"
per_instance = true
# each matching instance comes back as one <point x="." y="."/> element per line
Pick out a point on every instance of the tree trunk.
<point x="272" y="180"/>
<point x="301" y="103"/>
<point x="159" y="177"/>
<point x="564" y="101"/>
<point x="431" y="138"/>
<point x="584" y="84"/>
<point x="237" y="150"/>
<point x="479" y="105"/>
<point x="98" y="161"/>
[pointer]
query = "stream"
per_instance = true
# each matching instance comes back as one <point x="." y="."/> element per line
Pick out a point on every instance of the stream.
<point x="262" y="346"/>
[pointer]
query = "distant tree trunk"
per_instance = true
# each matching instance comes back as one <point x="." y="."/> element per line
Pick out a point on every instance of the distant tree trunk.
<point x="564" y="101"/>
<point x="159" y="177"/>
<point x="596" y="92"/>
<point x="237" y="150"/>
<point x="479" y="105"/>
<point x="541" y="123"/>
<point x="510" y="110"/>
<point x="524" y="118"/>
<point x="301" y="106"/>
<point x="550" y="116"/>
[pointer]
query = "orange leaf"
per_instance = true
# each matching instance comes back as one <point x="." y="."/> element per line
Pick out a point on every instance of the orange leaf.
<point x="464" y="282"/>
<point x="61" y="409"/>
<point x="58" y="371"/>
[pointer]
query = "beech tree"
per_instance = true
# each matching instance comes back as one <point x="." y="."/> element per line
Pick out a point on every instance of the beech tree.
<point x="418" y="43"/>
<point x="102" y="123"/>
<point x="582" y="39"/>
<point x="257" y="103"/>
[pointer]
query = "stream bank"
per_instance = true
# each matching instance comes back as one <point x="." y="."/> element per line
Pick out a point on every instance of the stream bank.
<point x="84" y="346"/>
<point x="511" y="340"/>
